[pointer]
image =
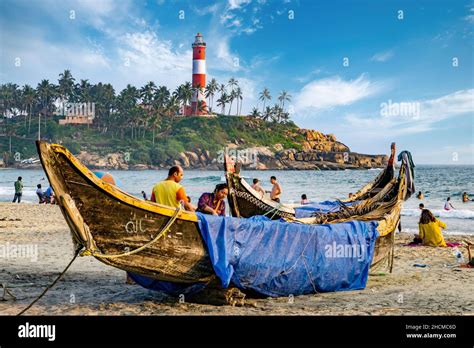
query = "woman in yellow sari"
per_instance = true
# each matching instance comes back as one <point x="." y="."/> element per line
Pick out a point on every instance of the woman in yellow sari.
<point x="430" y="229"/>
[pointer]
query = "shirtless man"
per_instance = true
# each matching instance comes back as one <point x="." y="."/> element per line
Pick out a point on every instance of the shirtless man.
<point x="276" y="190"/>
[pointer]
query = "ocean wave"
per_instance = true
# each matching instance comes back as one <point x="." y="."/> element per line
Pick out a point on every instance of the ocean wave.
<point x="445" y="232"/>
<point x="10" y="190"/>
<point x="206" y="178"/>
<point x="451" y="214"/>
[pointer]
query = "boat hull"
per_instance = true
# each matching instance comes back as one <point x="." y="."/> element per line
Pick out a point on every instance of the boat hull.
<point x="104" y="218"/>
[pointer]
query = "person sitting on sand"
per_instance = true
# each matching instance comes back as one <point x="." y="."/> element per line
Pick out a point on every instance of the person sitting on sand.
<point x="276" y="190"/>
<point x="169" y="192"/>
<point x="465" y="198"/>
<point x="49" y="195"/>
<point x="448" y="206"/>
<point x="429" y="229"/>
<point x="213" y="203"/>
<point x="420" y="195"/>
<point x="40" y="194"/>
<point x="256" y="186"/>
<point x="351" y="195"/>
<point x="304" y="199"/>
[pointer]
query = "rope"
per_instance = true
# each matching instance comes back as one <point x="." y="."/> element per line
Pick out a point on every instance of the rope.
<point x="165" y="229"/>
<point x="53" y="283"/>
<point x="276" y="210"/>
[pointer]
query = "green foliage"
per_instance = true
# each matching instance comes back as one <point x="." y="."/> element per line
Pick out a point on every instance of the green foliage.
<point x="184" y="134"/>
<point x="72" y="146"/>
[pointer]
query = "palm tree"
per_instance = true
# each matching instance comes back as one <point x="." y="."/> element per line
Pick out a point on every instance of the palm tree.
<point x="201" y="106"/>
<point x="284" y="96"/>
<point x="127" y="106"/>
<point x="147" y="93"/>
<point x="11" y="99"/>
<point x="187" y="93"/>
<point x="267" y="114"/>
<point x="285" y="117"/>
<point x="276" y="112"/>
<point x="231" y="98"/>
<point x="255" y="113"/>
<point x="211" y="89"/>
<point x="66" y="86"/>
<point x="84" y="91"/>
<point x="172" y="106"/>
<point x="46" y="93"/>
<point x="161" y="97"/>
<point x="222" y="101"/>
<point x="238" y="96"/>
<point x="28" y="95"/>
<point x="233" y="83"/>
<point x="265" y="95"/>
<point x="108" y="100"/>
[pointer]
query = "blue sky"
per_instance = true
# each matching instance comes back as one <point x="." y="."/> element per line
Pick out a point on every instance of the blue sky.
<point x="422" y="56"/>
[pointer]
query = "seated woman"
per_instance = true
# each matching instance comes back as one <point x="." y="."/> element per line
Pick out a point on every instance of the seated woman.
<point x="213" y="203"/>
<point x="430" y="229"/>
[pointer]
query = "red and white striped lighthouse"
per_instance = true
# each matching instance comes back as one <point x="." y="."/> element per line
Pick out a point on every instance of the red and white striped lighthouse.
<point x="199" y="76"/>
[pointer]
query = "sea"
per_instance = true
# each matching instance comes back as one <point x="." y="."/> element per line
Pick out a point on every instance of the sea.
<point x="437" y="183"/>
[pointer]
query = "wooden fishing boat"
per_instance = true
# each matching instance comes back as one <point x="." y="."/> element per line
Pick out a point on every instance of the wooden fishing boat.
<point x="154" y="240"/>
<point x="109" y="222"/>
<point x="244" y="201"/>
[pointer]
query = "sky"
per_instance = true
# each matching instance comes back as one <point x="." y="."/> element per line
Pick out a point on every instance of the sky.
<point x="369" y="72"/>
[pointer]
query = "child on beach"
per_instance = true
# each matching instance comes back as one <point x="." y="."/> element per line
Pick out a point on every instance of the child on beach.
<point x="430" y="229"/>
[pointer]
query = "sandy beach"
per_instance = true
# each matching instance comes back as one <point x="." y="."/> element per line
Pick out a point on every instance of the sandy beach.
<point x="92" y="288"/>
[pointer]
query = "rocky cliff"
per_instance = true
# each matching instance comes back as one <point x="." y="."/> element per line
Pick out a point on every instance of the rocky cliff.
<point x="317" y="151"/>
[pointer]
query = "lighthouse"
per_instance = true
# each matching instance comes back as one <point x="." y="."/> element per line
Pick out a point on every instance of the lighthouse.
<point x="198" y="100"/>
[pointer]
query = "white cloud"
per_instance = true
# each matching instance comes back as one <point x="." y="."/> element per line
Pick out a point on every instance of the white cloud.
<point x="334" y="91"/>
<point x="211" y="9"/>
<point x="431" y="112"/>
<point x="469" y="18"/>
<point x="382" y="56"/>
<point x="236" y="4"/>
<point x="153" y="59"/>
<point x="226" y="60"/>
<point x="231" y="17"/>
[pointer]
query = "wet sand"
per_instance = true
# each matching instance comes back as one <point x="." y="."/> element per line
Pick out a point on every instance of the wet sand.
<point x="92" y="288"/>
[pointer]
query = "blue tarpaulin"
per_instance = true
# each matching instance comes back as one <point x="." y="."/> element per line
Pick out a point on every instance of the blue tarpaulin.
<point x="278" y="258"/>
<point x="307" y="210"/>
<point x="170" y="288"/>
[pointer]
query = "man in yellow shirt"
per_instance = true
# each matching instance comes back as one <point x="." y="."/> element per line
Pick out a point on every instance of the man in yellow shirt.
<point x="170" y="192"/>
